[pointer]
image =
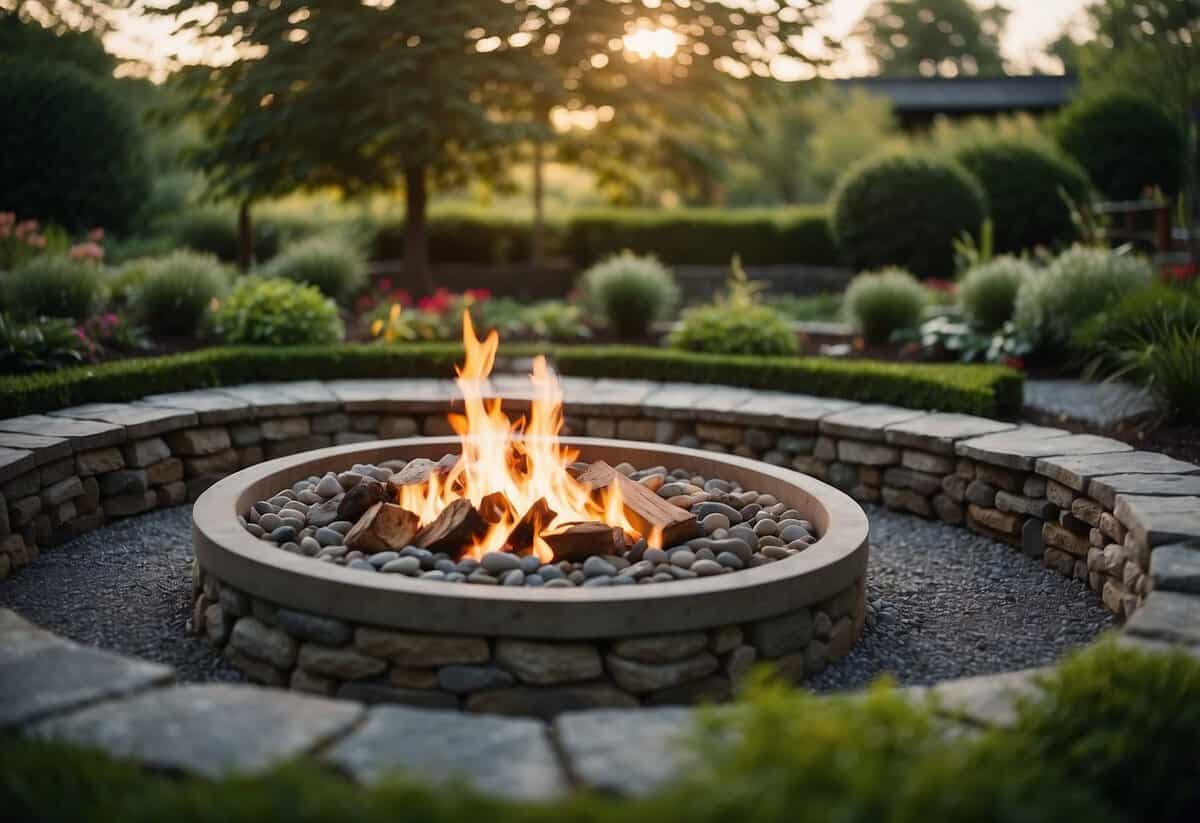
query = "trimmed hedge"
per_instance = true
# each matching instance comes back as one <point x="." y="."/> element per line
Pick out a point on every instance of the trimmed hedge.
<point x="1105" y="715"/>
<point x="990" y="391"/>
<point x="705" y="236"/>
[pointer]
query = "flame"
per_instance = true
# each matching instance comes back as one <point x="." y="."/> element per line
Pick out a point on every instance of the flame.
<point x="524" y="458"/>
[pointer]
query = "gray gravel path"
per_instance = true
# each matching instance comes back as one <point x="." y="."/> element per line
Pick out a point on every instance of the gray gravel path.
<point x="949" y="603"/>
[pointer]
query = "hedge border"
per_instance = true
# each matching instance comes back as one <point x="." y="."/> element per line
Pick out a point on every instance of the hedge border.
<point x="987" y="391"/>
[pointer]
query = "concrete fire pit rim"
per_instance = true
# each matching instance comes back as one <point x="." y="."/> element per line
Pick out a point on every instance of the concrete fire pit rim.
<point x="225" y="549"/>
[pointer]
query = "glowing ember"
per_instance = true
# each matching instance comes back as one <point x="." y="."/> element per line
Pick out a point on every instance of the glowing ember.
<point x="520" y="463"/>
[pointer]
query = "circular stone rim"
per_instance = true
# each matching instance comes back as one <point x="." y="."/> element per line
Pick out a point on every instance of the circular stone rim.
<point x="226" y="550"/>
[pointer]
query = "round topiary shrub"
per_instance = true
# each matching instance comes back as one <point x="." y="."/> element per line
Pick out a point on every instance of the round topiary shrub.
<point x="903" y="210"/>
<point x="277" y="312"/>
<point x="1125" y="142"/>
<point x="177" y="291"/>
<point x="988" y="292"/>
<point x="878" y="304"/>
<point x="1025" y="187"/>
<point x="1079" y="284"/>
<point x="630" y="293"/>
<point x="53" y="286"/>
<point x="332" y="265"/>
<point x="72" y="152"/>
<point x="717" y="329"/>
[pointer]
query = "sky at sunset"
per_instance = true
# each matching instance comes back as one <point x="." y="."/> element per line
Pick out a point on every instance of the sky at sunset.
<point x="1032" y="24"/>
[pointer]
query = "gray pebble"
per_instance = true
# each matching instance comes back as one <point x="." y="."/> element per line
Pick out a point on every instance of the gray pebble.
<point x="593" y="582"/>
<point x="497" y="562"/>
<point x="683" y="558"/>
<point x="793" y="532"/>
<point x="707" y="568"/>
<point x="480" y="576"/>
<point x="714" y="521"/>
<point x="328" y="536"/>
<point x="559" y="583"/>
<point x="329" y="486"/>
<point x="655" y="556"/>
<point x="530" y="564"/>
<point x="360" y="565"/>
<point x="535" y="580"/>
<point x="255" y="529"/>
<point x="283" y="534"/>
<point x="764" y="528"/>
<point x="270" y="522"/>
<point x="598" y="567"/>
<point x="731" y="560"/>
<point x="402" y="565"/>
<point x="380" y="559"/>
<point x="433" y="575"/>
<point x="551" y="572"/>
<point x="703" y="510"/>
<point x="513" y="577"/>
<point x="310" y="547"/>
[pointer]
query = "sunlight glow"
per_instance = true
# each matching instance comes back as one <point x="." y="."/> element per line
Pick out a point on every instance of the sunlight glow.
<point x="647" y="43"/>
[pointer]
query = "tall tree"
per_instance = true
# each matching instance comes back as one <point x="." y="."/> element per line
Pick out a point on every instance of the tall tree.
<point x="933" y="37"/>
<point x="356" y="95"/>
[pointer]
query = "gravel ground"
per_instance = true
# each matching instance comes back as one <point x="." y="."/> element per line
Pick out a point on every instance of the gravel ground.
<point x="949" y="603"/>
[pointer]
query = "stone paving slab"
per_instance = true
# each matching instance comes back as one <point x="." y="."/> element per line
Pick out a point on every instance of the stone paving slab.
<point x="501" y="756"/>
<point x="41" y="673"/>
<point x="1106" y="489"/>
<point x="987" y="700"/>
<point x="43" y="449"/>
<point x="140" y="420"/>
<point x="1171" y="617"/>
<point x="14" y="462"/>
<point x="83" y="434"/>
<point x="939" y="431"/>
<point x="1021" y="447"/>
<point x="1176" y="567"/>
<point x="612" y="397"/>
<point x="695" y="401"/>
<point x="867" y="422"/>
<point x="284" y="399"/>
<point x="212" y="407"/>
<point x="213" y="730"/>
<point x="1075" y="471"/>
<point x="1102" y="404"/>
<point x="630" y="752"/>
<point x="1153" y="521"/>
<point x="792" y="412"/>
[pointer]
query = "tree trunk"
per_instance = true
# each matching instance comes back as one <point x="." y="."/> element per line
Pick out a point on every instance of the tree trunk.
<point x="245" y="237"/>
<point x="537" y="247"/>
<point x="416" y="230"/>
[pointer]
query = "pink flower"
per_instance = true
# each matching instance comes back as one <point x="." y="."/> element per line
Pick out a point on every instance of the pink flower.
<point x="5" y="231"/>
<point x="87" y="251"/>
<point x="26" y="227"/>
<point x="7" y="218"/>
<point x="37" y="241"/>
<point x="111" y="319"/>
<point x="96" y="235"/>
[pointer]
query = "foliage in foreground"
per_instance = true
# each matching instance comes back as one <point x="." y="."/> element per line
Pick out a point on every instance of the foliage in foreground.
<point x="983" y="390"/>
<point x="1108" y="740"/>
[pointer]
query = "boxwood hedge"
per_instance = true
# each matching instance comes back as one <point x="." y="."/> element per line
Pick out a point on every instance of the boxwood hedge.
<point x="1109" y="738"/>
<point x="992" y="391"/>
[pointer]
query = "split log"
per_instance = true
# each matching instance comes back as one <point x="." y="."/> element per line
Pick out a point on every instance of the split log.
<point x="648" y="512"/>
<point x="454" y="530"/>
<point x="384" y="526"/>
<point x="418" y="470"/>
<point x="497" y="508"/>
<point x="579" y="541"/>
<point x="532" y="523"/>
<point x="359" y="499"/>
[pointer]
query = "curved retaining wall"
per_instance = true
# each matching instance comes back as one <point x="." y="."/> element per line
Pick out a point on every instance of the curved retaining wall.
<point x="1088" y="506"/>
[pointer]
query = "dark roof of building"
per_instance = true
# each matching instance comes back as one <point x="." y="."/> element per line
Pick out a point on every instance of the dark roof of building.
<point x="937" y="94"/>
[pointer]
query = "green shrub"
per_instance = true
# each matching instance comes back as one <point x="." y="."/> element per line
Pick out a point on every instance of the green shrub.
<point x="705" y="236"/>
<point x="177" y="291"/>
<point x="1025" y="185"/>
<point x="630" y="293"/>
<point x="72" y="152"/>
<point x="1079" y="284"/>
<point x="332" y="265"/>
<point x="905" y="210"/>
<point x="716" y="329"/>
<point x="213" y="230"/>
<point x="46" y="343"/>
<point x="987" y="293"/>
<point x="989" y="391"/>
<point x="277" y="312"/>
<point x="878" y="304"/>
<point x="1126" y="142"/>
<point x="53" y="286"/>
<point x="801" y="308"/>
<point x="1136" y="316"/>
<point x="1113" y="711"/>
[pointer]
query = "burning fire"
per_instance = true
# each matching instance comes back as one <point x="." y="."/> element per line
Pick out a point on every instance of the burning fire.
<point x="513" y="471"/>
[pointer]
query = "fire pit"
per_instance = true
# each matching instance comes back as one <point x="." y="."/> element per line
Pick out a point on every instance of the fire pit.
<point x="513" y="570"/>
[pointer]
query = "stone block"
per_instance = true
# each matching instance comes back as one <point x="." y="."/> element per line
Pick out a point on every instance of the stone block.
<point x="165" y="471"/>
<point x="1021" y="448"/>
<point x="1034" y="486"/>
<point x="980" y="493"/>
<point x="545" y="664"/>
<point x="254" y="638"/>
<point x="1075" y="471"/>
<point x="142" y="453"/>
<point x="285" y="428"/>
<point x="82" y="434"/>
<point x="1061" y="538"/>
<point x="198" y="442"/>
<point x="1062" y="562"/>
<point x="639" y="678"/>
<point x="994" y="519"/>
<point x="939" y="432"/>
<point x="1173" y="617"/>
<point x="906" y="500"/>
<point x="867" y="422"/>
<point x="1111" y="527"/>
<point x="1035" y="507"/>
<point x="56" y="471"/>
<point x="1086" y="510"/>
<point x="98" y="461"/>
<point x="245" y="434"/>
<point x="22" y="485"/>
<point x="420" y="650"/>
<point x="22" y="512"/>
<point x="61" y="491"/>
<point x="1006" y="479"/>
<point x="1105" y="489"/>
<point x="627" y="753"/>
<point x="921" y="483"/>
<point x="89" y="501"/>
<point x="1152" y="521"/>
<point x="867" y="454"/>
<point x="664" y="648"/>
<point x="213" y="730"/>
<point x="955" y="487"/>
<point x="344" y="663"/>
<point x="637" y="429"/>
<point x="504" y="757"/>
<point x="129" y="504"/>
<point x="126" y="481"/>
<point x="337" y="422"/>
<point x="947" y="510"/>
<point x="776" y="636"/>
<point x="1060" y="495"/>
<point x="922" y="461"/>
<point x="548" y="701"/>
<point x="218" y="463"/>
<point x="1176" y="567"/>
<point x="1031" y="537"/>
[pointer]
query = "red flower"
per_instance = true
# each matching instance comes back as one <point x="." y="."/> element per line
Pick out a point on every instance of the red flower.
<point x="385" y="285"/>
<point x="479" y="294"/>
<point x="938" y="284"/>
<point x="1014" y="363"/>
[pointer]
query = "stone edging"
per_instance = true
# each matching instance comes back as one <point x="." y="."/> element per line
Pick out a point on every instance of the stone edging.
<point x="1126" y="521"/>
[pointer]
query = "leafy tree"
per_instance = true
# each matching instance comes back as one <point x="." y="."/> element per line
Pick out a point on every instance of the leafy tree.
<point x="24" y="37"/>
<point x="362" y="97"/>
<point x="933" y="37"/>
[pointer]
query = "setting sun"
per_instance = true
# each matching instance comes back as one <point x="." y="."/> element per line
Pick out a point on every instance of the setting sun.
<point x="647" y="43"/>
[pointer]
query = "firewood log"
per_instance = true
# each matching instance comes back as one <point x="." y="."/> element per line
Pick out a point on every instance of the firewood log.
<point x="538" y="516"/>
<point x="384" y="526"/>
<point x="649" y="513"/>
<point x="454" y="530"/>
<point x="496" y="508"/>
<point x="579" y="541"/>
